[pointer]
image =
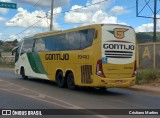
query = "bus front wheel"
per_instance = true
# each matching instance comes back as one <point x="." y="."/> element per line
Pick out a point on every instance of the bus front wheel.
<point x="70" y="81"/>
<point x="60" y="79"/>
<point x="23" y="74"/>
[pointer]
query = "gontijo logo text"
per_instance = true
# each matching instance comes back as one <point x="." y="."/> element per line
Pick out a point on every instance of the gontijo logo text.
<point x="118" y="46"/>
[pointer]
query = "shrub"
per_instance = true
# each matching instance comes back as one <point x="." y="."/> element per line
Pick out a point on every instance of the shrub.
<point x="145" y="76"/>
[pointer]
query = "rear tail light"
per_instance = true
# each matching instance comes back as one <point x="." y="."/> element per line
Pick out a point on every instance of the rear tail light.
<point x="134" y="71"/>
<point x="99" y="69"/>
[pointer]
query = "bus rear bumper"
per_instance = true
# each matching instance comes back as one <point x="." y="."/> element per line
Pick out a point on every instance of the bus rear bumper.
<point x="117" y="83"/>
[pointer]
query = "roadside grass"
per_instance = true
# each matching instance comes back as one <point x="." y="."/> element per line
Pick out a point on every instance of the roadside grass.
<point x="148" y="76"/>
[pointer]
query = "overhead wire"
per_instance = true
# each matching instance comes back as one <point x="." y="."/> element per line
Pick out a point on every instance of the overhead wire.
<point x="64" y="12"/>
<point x="61" y="13"/>
<point x="30" y="9"/>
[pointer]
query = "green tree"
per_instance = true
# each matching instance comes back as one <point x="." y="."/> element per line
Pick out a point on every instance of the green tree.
<point x="7" y="48"/>
<point x="143" y="37"/>
<point x="15" y="42"/>
<point x="1" y="42"/>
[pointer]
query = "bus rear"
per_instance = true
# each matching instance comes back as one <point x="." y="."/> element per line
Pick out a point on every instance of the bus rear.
<point x="117" y="67"/>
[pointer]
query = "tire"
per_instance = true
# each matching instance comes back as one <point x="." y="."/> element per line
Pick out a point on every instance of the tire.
<point x="70" y="81"/>
<point x="60" y="80"/>
<point x="23" y="74"/>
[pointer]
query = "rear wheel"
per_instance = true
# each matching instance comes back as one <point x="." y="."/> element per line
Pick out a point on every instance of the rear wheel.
<point x="23" y="74"/>
<point x="60" y="79"/>
<point x="70" y="81"/>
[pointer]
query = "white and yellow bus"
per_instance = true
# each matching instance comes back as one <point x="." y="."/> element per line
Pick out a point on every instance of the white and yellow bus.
<point x="100" y="55"/>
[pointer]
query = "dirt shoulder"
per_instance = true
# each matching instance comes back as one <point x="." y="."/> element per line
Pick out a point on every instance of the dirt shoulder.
<point x="146" y="88"/>
<point x="6" y="68"/>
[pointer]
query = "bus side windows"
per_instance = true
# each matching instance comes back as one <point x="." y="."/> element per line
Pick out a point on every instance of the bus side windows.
<point x="87" y="38"/>
<point x="83" y="39"/>
<point x="50" y="43"/>
<point x="27" y="46"/>
<point x="80" y="39"/>
<point x="61" y="42"/>
<point x="68" y="41"/>
<point x="40" y="45"/>
<point x="90" y="35"/>
<point x="74" y="41"/>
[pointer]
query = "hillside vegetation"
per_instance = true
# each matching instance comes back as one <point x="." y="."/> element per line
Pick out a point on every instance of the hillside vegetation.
<point x="7" y="46"/>
<point x="143" y="37"/>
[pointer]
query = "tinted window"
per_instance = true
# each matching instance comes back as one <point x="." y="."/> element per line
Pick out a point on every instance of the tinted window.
<point x="57" y="42"/>
<point x="86" y="38"/>
<point x="68" y="41"/>
<point x="40" y="45"/>
<point x="62" y="42"/>
<point x="27" y="45"/>
<point x="74" y="40"/>
<point x="50" y="43"/>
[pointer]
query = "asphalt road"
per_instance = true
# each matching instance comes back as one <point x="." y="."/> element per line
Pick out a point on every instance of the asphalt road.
<point x="16" y="93"/>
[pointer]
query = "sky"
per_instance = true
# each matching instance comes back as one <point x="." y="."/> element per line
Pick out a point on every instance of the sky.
<point x="33" y="16"/>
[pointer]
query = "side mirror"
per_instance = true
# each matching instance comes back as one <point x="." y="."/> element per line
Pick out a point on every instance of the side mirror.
<point x="14" y="50"/>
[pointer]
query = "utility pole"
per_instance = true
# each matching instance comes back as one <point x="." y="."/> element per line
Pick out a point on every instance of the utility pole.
<point x="154" y="20"/>
<point x="51" y="20"/>
<point x="154" y="11"/>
